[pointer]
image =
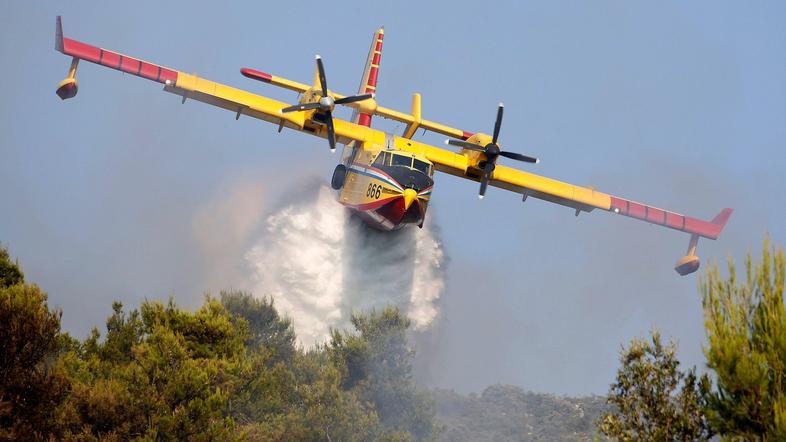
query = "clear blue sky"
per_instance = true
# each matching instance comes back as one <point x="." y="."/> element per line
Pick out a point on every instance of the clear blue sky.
<point x="678" y="104"/>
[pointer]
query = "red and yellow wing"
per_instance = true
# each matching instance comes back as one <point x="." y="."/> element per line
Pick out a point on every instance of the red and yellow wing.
<point x="577" y="197"/>
<point x="587" y="199"/>
<point x="190" y="86"/>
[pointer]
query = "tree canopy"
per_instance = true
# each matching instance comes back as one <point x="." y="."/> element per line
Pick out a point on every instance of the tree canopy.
<point x="743" y="397"/>
<point x="31" y="382"/>
<point x="376" y="361"/>
<point x="652" y="399"/>
<point x="230" y="370"/>
<point x="745" y="321"/>
<point x="10" y="272"/>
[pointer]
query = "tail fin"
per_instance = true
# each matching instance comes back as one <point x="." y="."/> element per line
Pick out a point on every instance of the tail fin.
<point x="368" y="83"/>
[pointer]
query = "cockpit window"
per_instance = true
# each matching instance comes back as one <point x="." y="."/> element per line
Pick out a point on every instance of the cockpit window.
<point x="401" y="160"/>
<point x="422" y="166"/>
<point x="382" y="159"/>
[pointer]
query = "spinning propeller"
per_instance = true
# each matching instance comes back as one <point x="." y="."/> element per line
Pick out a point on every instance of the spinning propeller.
<point x="492" y="152"/>
<point x="326" y="104"/>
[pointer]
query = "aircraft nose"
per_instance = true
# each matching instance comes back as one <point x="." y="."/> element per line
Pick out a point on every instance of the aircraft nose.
<point x="410" y="195"/>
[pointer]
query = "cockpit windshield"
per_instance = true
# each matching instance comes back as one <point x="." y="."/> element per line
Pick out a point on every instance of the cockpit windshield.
<point x="401" y="160"/>
<point x="404" y="160"/>
<point x="383" y="159"/>
<point x="422" y="166"/>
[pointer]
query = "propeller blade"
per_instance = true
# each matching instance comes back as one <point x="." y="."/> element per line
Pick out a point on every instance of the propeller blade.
<point x="497" y="124"/>
<point x="354" y="98"/>
<point x="331" y="131"/>
<point x="322" y="80"/>
<point x="484" y="179"/>
<point x="518" y="157"/>
<point x="484" y="182"/>
<point x="465" y="145"/>
<point x="300" y="107"/>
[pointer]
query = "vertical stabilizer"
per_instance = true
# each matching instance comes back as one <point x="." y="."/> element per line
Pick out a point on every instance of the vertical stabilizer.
<point x="368" y="83"/>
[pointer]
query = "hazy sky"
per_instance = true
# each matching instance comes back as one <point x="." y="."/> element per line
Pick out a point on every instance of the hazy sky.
<point x="124" y="193"/>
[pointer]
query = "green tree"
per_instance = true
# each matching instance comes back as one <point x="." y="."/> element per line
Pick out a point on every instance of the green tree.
<point x="289" y="394"/>
<point x="652" y="400"/>
<point x="377" y="365"/>
<point x="123" y="331"/>
<point x="10" y="273"/>
<point x="321" y="410"/>
<point x="228" y="371"/>
<point x="745" y="323"/>
<point x="161" y="374"/>
<point x="31" y="385"/>
<point x="265" y="326"/>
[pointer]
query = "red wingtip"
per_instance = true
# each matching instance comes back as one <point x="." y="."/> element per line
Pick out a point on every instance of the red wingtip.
<point x="719" y="222"/>
<point x="722" y="218"/>
<point x="59" y="34"/>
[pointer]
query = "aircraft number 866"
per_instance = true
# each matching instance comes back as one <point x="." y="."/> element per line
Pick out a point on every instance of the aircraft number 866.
<point x="373" y="191"/>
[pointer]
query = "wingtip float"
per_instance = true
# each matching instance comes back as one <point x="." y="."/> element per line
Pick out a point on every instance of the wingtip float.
<point x="384" y="178"/>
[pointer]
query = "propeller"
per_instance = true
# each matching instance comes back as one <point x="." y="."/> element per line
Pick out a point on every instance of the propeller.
<point x="326" y="104"/>
<point x="492" y="152"/>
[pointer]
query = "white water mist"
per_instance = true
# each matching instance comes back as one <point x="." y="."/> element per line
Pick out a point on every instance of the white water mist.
<point x="320" y="264"/>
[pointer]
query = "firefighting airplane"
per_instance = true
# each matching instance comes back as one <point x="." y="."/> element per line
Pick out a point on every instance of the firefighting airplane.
<point x="384" y="178"/>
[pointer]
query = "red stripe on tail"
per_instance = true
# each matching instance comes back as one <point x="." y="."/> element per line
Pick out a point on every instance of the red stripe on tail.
<point x="364" y="120"/>
<point x="368" y="83"/>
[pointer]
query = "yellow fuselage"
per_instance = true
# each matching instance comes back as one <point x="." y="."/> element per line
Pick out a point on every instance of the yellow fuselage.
<point x="387" y="188"/>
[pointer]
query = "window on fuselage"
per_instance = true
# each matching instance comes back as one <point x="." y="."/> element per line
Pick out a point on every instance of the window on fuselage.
<point x="423" y="167"/>
<point x="383" y="159"/>
<point x="401" y="160"/>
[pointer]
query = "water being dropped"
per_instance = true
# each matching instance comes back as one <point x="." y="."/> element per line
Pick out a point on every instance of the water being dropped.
<point x="320" y="264"/>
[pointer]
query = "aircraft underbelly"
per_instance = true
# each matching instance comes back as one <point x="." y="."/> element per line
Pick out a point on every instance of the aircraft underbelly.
<point x="377" y="198"/>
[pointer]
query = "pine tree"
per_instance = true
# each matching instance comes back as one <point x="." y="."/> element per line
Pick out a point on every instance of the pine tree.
<point x="31" y="384"/>
<point x="745" y="321"/>
<point x="652" y="399"/>
<point x="265" y="326"/>
<point x="162" y="373"/>
<point x="10" y="273"/>
<point x="377" y="365"/>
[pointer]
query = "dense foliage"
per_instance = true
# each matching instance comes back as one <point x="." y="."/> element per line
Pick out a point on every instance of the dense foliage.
<point x="10" y="273"/>
<point x="745" y="322"/>
<point x="652" y="399"/>
<point x="31" y="384"/>
<point x="230" y="370"/>
<point x="377" y="364"/>
<point x="744" y="396"/>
